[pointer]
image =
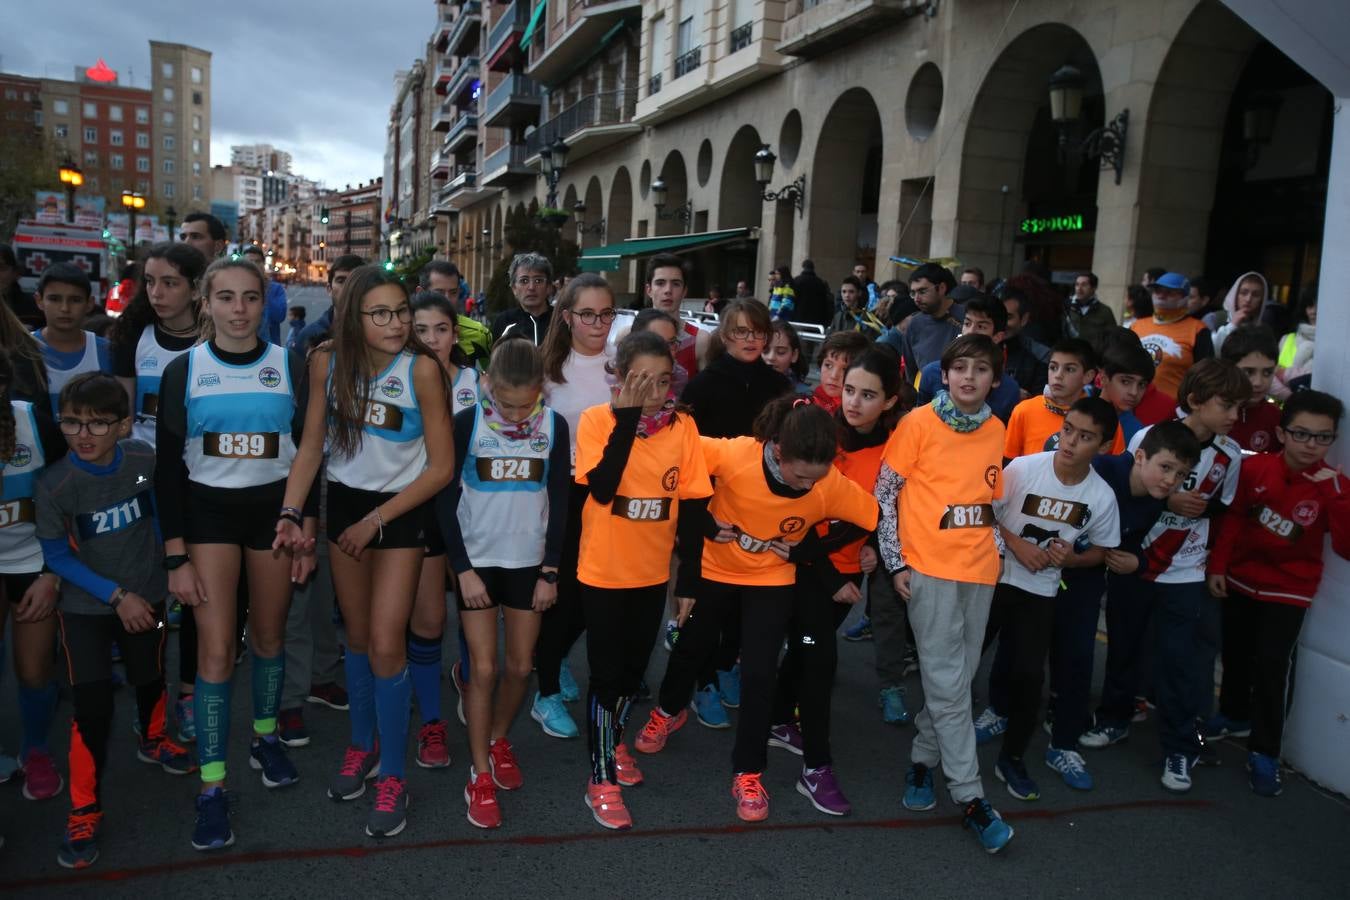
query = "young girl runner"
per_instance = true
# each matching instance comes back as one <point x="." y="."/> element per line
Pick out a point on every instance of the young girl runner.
<point x="29" y="442"/>
<point x="642" y="461"/>
<point x="385" y="415"/>
<point x="784" y="355"/>
<point x="575" y="379"/>
<point x="503" y="520"/>
<point x="772" y="489"/>
<point x="671" y="331"/>
<point x="229" y="414"/>
<point x="834" y="358"/>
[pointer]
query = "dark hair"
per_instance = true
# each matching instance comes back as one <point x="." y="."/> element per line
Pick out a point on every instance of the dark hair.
<point x="65" y="273"/>
<point x="297" y="309"/>
<point x="1090" y="276"/>
<point x="1204" y="287"/>
<point x="1306" y="298"/>
<point x="784" y="274"/>
<point x="1250" y="337"/>
<point x="635" y="344"/>
<point x="987" y="306"/>
<point x="756" y="317"/>
<point x="214" y="226"/>
<point x="882" y="361"/>
<point x="1016" y="295"/>
<point x="665" y="261"/>
<point x="1100" y="412"/>
<point x="516" y="363"/>
<point x="853" y="280"/>
<point x="802" y="367"/>
<point x="935" y="273"/>
<point x="1078" y="348"/>
<point x="1172" y="436"/>
<point x="647" y="315"/>
<point x="190" y="263"/>
<point x="848" y="344"/>
<point x="437" y="267"/>
<point x="347" y="262"/>
<point x="1155" y="272"/>
<point x="802" y="430"/>
<point x="251" y="249"/>
<point x="976" y="271"/>
<point x="557" y="343"/>
<point x="974" y="346"/>
<point x="95" y="392"/>
<point x="1316" y="403"/>
<point x="431" y="300"/>
<point x="1123" y="358"/>
<point x="1141" y="301"/>
<point x="1211" y="378"/>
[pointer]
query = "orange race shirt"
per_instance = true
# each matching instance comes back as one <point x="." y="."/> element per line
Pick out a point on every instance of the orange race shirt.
<point x="946" y="504"/>
<point x="1034" y="427"/>
<point x="743" y="498"/>
<point x="1172" y="346"/>
<point x="860" y="467"/>
<point x="628" y="543"/>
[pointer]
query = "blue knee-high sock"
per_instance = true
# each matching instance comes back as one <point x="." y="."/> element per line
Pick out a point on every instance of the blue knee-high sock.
<point x="463" y="655"/>
<point x="268" y="674"/>
<point x="211" y="708"/>
<point x="424" y="665"/>
<point x="37" y="707"/>
<point x="392" y="699"/>
<point x="361" y="697"/>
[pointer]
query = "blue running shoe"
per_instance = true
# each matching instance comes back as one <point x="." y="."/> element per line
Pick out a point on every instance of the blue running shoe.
<point x="919" y="796"/>
<point x="1103" y="736"/>
<point x="729" y="684"/>
<point x="212" y="831"/>
<point x="708" y="707"/>
<point x="268" y="756"/>
<point x="1218" y="727"/>
<point x="988" y="825"/>
<point x="989" y="725"/>
<point x="892" y="703"/>
<point x="79" y="849"/>
<point x="553" y="716"/>
<point x="1013" y="773"/>
<point x="186" y="717"/>
<point x="1070" y="766"/>
<point x="571" y="692"/>
<point x="861" y="631"/>
<point x="1265" y="772"/>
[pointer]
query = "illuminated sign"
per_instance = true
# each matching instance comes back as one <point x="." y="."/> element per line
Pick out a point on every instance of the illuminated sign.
<point x="1051" y="224"/>
<point x="100" y="72"/>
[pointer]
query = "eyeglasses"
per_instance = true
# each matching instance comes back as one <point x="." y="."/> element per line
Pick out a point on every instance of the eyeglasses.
<point x="384" y="315"/>
<point x="526" y="281"/>
<point x="920" y="292"/>
<point x="96" y="427"/>
<point x="588" y="316"/>
<point x="1321" y="438"/>
<point x="747" y="334"/>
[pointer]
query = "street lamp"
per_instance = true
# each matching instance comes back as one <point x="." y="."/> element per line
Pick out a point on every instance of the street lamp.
<point x="796" y="191"/>
<point x="553" y="161"/>
<point x="683" y="213"/>
<point x="1066" y="107"/>
<point x="72" y="178"/>
<point x="597" y="229"/>
<point x="132" y="202"/>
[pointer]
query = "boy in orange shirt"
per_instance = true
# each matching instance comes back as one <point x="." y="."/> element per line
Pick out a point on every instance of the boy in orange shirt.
<point x="939" y="477"/>
<point x="1036" y="422"/>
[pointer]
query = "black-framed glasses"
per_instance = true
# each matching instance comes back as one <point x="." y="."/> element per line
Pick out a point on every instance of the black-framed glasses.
<point x="1321" y="438"/>
<point x="384" y="315"/>
<point x="742" y="333"/>
<point x="588" y="316"/>
<point x="526" y="280"/>
<point x="96" y="427"/>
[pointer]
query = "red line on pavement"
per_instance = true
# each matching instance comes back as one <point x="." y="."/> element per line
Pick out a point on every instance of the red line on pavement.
<point x="227" y="859"/>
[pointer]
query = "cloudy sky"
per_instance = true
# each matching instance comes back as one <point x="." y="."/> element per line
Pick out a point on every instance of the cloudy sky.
<point x="312" y="78"/>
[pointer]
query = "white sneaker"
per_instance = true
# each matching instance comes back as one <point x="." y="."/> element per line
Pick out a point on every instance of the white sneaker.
<point x="1176" y="776"/>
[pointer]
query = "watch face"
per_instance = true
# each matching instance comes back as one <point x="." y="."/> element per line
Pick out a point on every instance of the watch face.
<point x="549" y="577"/>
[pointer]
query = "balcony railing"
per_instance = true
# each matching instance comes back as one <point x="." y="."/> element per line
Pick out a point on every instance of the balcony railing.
<point x="508" y="155"/>
<point x="460" y="177"/>
<point x="464" y="76"/>
<point x="514" y="18"/>
<point x="688" y="62"/>
<point x="654" y="85"/>
<point x="444" y="26"/>
<point x="465" y="123"/>
<point x="593" y="110"/>
<point x="467" y="26"/>
<point x="740" y="37"/>
<point x="512" y="87"/>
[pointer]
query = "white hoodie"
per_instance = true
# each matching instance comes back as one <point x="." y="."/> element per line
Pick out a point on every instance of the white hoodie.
<point x="1230" y="307"/>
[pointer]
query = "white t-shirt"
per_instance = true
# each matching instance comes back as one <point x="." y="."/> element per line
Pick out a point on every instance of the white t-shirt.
<point x="1039" y="507"/>
<point x="585" y="387"/>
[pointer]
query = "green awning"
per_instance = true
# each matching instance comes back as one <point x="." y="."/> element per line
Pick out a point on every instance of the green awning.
<point x="609" y="257"/>
<point x="534" y="23"/>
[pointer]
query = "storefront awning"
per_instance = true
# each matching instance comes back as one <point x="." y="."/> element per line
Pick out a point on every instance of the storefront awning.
<point x="608" y="257"/>
<point x="534" y="23"/>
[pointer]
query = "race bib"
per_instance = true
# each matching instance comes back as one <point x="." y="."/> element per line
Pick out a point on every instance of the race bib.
<point x="384" y="416"/>
<point x="114" y="518"/>
<point x="1066" y="511"/>
<point x="641" y="509"/>
<point x="968" y="515"/>
<point x="15" y="512"/>
<point x="241" y="444"/>
<point x="507" y="468"/>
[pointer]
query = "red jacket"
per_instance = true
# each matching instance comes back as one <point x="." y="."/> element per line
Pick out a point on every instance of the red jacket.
<point x="1255" y="428"/>
<point x="1269" y="542"/>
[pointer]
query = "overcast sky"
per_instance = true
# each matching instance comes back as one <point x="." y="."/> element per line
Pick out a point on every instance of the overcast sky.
<point x="315" y="79"/>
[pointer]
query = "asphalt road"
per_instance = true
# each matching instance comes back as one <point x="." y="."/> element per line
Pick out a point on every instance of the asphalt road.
<point x="1127" y="838"/>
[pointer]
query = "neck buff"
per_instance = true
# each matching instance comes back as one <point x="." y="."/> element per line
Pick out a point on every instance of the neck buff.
<point x="772" y="464"/>
<point x="649" y="425"/>
<point x="824" y="400"/>
<point x="958" y="421"/>
<point x="512" y="431"/>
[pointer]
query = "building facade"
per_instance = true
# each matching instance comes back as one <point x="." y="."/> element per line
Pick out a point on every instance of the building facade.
<point x="260" y="157"/>
<point x="181" y="124"/>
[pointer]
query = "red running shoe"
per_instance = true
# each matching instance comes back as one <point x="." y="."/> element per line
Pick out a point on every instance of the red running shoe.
<point x="433" y="751"/>
<point x="659" y="727"/>
<point x="752" y="801"/>
<point x="626" y="768"/>
<point x="505" y="770"/>
<point x="481" y="796"/>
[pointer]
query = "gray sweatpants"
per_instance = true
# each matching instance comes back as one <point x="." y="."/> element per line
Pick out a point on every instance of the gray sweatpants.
<point x="887" y="611"/>
<point x="949" y="618"/>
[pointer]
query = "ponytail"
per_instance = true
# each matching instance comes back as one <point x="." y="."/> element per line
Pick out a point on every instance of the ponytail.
<point x="802" y="430"/>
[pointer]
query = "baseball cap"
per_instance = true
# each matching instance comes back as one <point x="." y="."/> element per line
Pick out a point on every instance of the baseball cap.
<point x="1173" y="281"/>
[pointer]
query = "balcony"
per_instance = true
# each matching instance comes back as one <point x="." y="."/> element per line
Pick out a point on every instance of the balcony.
<point x="555" y="46"/>
<point x="688" y="62"/>
<point x="654" y="84"/>
<point x="506" y="166"/>
<point x="464" y="82"/>
<point x="462" y="133"/>
<point x="460" y="191"/>
<point x="504" y="50"/>
<point x="445" y="115"/>
<point x="593" y="123"/>
<point x="814" y="28"/>
<point x="463" y="39"/>
<point x="441" y="163"/>
<point x="515" y="101"/>
<point x="445" y="25"/>
<point x="740" y="37"/>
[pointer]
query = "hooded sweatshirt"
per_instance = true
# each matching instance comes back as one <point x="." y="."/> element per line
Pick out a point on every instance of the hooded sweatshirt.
<point x="1224" y="321"/>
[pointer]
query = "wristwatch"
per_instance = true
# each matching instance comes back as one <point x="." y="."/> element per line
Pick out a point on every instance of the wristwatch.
<point x="173" y="562"/>
<point x="548" y="577"/>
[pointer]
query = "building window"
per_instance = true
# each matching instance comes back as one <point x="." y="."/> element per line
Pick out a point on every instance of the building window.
<point x="143" y="185"/>
<point x="168" y="190"/>
<point x="61" y="107"/>
<point x="143" y="140"/>
<point x="11" y="94"/>
<point x="37" y="118"/>
<point x="142" y="164"/>
<point x="168" y="167"/>
<point x="170" y="142"/>
<point x="166" y="117"/>
<point x="196" y="123"/>
<point x="196" y="192"/>
<point x="114" y="113"/>
<point x="91" y="135"/>
<point x="196" y="168"/>
<point x="90" y="110"/>
<point x="142" y="115"/>
<point x="196" y="145"/>
<point x="115" y="161"/>
<point x="196" y="98"/>
<point x="115" y="137"/>
<point x="166" y="69"/>
<point x="168" y="95"/>
<point x="196" y="74"/>
<point x="90" y="158"/>
<point x="61" y="131"/>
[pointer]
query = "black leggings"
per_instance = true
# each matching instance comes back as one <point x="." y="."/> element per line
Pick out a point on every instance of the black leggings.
<point x="1259" y="638"/>
<point x="1023" y="622"/>
<point x="91" y="728"/>
<point x="565" y="620"/>
<point x="806" y="674"/>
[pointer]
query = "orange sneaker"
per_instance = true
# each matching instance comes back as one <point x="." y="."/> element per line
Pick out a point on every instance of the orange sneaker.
<point x="626" y="768"/>
<point x="752" y="801"/>
<point x="481" y="796"/>
<point x="606" y="804"/>
<point x="659" y="727"/>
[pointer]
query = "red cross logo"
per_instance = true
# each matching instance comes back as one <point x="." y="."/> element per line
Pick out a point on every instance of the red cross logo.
<point x="38" y="262"/>
<point x="83" y="262"/>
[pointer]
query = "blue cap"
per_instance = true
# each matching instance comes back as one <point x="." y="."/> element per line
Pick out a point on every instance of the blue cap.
<point x="1173" y="281"/>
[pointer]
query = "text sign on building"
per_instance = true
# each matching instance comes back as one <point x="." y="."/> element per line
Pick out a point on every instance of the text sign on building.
<point x="1051" y="224"/>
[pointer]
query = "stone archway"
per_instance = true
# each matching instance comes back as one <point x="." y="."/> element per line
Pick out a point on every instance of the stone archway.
<point x="619" y="224"/>
<point x="569" y="230"/>
<point x="676" y="177"/>
<point x="595" y="211"/>
<point x="740" y="203"/>
<point x="843" y="185"/>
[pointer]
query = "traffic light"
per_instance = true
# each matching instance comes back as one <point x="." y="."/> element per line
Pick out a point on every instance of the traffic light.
<point x="323" y="214"/>
<point x="389" y="265"/>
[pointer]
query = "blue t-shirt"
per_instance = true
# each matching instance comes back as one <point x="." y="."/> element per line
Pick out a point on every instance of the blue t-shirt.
<point x="1137" y="514"/>
<point x="1002" y="398"/>
<point x="1129" y="424"/>
<point x="95" y="356"/>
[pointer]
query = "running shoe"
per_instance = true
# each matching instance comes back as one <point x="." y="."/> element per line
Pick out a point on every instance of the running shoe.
<point x="919" y="796"/>
<point x="909" y="663"/>
<point x="170" y="757"/>
<point x="173" y="617"/>
<point x="433" y="749"/>
<point x="786" y="737"/>
<point x="626" y="769"/>
<point x="605" y="802"/>
<point x="358" y="767"/>
<point x="184" y="713"/>
<point x="892" y="703"/>
<point x="291" y="727"/>
<point x="1265" y="775"/>
<point x="988" y="825"/>
<point x="659" y="728"/>
<point x="1071" y="767"/>
<point x="862" y="631"/>
<point x="459" y="686"/>
<point x="212" y="830"/>
<point x="553" y="716"/>
<point x="1176" y="775"/>
<point x="1103" y="736"/>
<point x="1218" y="727"/>
<point x="389" y="813"/>
<point x="266" y="755"/>
<point x="41" y="781"/>
<point x="567" y="685"/>
<point x="329" y="694"/>
<point x="1141" y="708"/>
<point x="729" y="684"/>
<point x="707" y="705"/>
<point x="480" y="795"/>
<point x="989" y="725"/>
<point x="9" y="767"/>
<point x="502" y="762"/>
<point x="672" y="635"/>
<point x="79" y="849"/>
<point x="822" y="789"/>
<point x="752" y="800"/>
<point x="1013" y="773"/>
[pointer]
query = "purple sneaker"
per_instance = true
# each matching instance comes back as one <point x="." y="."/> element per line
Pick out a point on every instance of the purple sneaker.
<point x="820" y="787"/>
<point x="787" y="737"/>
